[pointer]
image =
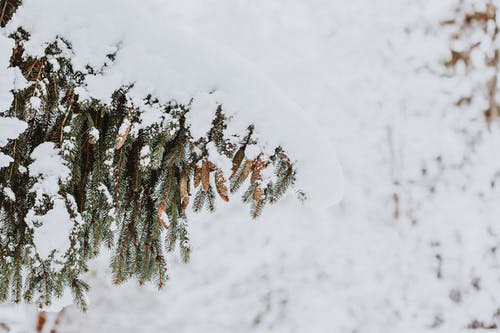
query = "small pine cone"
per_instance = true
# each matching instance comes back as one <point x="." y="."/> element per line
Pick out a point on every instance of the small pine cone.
<point x="211" y="166"/>
<point x="197" y="177"/>
<point x="258" y="193"/>
<point x="183" y="186"/>
<point x="257" y="169"/>
<point x="205" y="175"/>
<point x="184" y="191"/>
<point x="237" y="160"/>
<point x="220" y="185"/>
<point x="247" y="168"/>
<point x="184" y="202"/>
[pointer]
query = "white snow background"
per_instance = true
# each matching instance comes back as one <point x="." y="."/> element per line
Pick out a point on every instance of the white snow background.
<point x="412" y="245"/>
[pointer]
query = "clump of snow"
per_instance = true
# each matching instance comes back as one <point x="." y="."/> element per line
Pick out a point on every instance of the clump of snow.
<point x="7" y="191"/>
<point x="166" y="60"/>
<point x="151" y="114"/>
<point x="109" y="201"/>
<point x="94" y="134"/>
<point x="202" y="112"/>
<point x="51" y="230"/>
<point x="5" y="160"/>
<point x="145" y="156"/>
<point x="124" y="127"/>
<point x="10" y="128"/>
<point x="49" y="168"/>
<point x="10" y="78"/>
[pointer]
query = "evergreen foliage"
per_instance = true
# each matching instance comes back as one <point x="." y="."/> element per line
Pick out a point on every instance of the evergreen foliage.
<point x="7" y="9"/>
<point x="129" y="185"/>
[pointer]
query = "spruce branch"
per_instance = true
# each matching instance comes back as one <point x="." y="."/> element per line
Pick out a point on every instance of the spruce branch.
<point x="128" y="186"/>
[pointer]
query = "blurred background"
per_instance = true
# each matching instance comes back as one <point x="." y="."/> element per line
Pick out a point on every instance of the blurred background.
<point x="406" y="89"/>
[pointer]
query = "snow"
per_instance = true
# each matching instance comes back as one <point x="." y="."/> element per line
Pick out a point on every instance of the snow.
<point x="109" y="200"/>
<point x="49" y="167"/>
<point x="10" y="128"/>
<point x="10" y="78"/>
<point x="94" y="134"/>
<point x="9" y="194"/>
<point x="16" y="317"/>
<point x="5" y="160"/>
<point x="371" y="73"/>
<point x="52" y="229"/>
<point x="221" y="161"/>
<point x="145" y="156"/>
<point x="124" y="127"/>
<point x="203" y="106"/>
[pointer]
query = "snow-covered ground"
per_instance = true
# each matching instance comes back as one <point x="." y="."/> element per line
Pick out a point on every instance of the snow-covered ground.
<point x="411" y="247"/>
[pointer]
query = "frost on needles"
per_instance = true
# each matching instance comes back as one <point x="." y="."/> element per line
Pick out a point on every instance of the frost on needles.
<point x="77" y="173"/>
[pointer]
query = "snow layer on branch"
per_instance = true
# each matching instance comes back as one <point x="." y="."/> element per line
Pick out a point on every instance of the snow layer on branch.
<point x="52" y="229"/>
<point x="162" y="58"/>
<point x="49" y="168"/>
<point x="10" y="78"/>
<point x="10" y="128"/>
<point x="5" y="160"/>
